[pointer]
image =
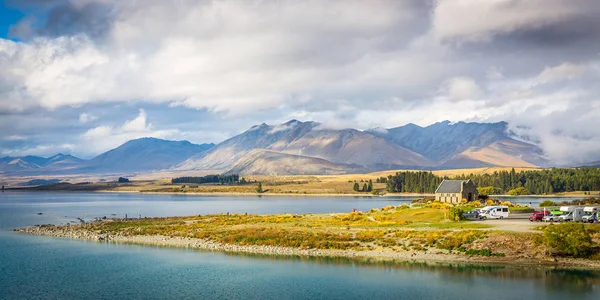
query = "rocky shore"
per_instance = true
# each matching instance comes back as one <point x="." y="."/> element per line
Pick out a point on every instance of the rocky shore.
<point x="76" y="232"/>
<point x="436" y="256"/>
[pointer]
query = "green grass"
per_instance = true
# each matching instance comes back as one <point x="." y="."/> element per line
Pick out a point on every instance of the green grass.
<point x="521" y="208"/>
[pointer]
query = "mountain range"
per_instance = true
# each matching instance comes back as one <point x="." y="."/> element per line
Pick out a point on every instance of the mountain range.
<point x="299" y="148"/>
<point x="139" y="155"/>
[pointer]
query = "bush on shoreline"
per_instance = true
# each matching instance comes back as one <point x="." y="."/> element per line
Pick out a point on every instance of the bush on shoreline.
<point x="569" y="239"/>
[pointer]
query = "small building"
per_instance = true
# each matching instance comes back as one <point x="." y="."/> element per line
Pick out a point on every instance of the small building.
<point x="453" y="191"/>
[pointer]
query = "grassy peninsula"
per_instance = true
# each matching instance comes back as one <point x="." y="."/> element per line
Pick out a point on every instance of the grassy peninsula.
<point x="427" y="232"/>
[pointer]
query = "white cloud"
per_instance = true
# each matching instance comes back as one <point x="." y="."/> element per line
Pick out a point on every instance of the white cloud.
<point x="45" y="150"/>
<point x="561" y="72"/>
<point x="461" y="88"/>
<point x="85" y="118"/>
<point x="233" y="56"/>
<point x="102" y="138"/>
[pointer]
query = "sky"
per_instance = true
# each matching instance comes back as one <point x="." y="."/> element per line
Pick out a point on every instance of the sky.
<point x="83" y="76"/>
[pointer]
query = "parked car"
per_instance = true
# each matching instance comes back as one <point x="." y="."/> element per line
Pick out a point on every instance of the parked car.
<point x="536" y="216"/>
<point x="550" y="218"/>
<point x="474" y="214"/>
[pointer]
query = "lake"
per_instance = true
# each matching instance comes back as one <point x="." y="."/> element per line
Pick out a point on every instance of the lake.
<point x="34" y="267"/>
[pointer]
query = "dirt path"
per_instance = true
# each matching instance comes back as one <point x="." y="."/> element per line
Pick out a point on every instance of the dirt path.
<point x="517" y="225"/>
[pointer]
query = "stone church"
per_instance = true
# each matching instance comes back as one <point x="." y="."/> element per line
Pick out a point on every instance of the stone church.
<point x="453" y="191"/>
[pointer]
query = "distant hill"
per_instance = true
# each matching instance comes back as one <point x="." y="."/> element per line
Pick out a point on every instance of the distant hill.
<point x="143" y="155"/>
<point x="296" y="147"/>
<point x="464" y="145"/>
<point x="347" y="146"/>
<point x="594" y="164"/>
<point x="39" y="164"/>
<point x="267" y="162"/>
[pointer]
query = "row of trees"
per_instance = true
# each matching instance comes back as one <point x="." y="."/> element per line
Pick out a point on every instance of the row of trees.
<point x="411" y="182"/>
<point x="540" y="181"/>
<point x="525" y="182"/>
<point x="222" y="179"/>
<point x="367" y="187"/>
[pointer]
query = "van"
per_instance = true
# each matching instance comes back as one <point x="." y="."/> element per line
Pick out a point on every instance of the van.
<point x="590" y="214"/>
<point x="494" y="212"/>
<point x="572" y="213"/>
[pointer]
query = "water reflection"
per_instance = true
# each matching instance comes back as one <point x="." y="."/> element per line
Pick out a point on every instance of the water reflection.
<point x="544" y="277"/>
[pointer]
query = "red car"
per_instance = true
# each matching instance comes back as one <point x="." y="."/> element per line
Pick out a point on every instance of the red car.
<point x="536" y="216"/>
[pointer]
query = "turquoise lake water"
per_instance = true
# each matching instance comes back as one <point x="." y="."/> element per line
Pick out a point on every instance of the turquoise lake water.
<point x="33" y="267"/>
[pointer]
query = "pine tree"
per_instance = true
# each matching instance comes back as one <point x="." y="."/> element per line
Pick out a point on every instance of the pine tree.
<point x="365" y="187"/>
<point x="259" y="189"/>
<point x="370" y="186"/>
<point x="356" y="188"/>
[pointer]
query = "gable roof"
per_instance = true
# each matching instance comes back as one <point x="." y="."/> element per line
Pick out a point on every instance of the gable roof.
<point x="450" y="186"/>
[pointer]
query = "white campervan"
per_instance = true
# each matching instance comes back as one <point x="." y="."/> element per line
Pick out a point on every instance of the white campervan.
<point x="494" y="212"/>
<point x="590" y="214"/>
<point x="571" y="213"/>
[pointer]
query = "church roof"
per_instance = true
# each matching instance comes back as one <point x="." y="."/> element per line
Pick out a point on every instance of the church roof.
<point x="450" y="186"/>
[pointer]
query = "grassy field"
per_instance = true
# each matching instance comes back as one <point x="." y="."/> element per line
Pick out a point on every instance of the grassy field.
<point x="316" y="184"/>
<point x="386" y="232"/>
<point x="391" y="228"/>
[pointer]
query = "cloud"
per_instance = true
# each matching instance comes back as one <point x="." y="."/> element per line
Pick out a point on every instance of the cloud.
<point x="102" y="138"/>
<point x="225" y="56"/>
<point x="45" y="150"/>
<point x="461" y="88"/>
<point x="477" y="21"/>
<point x="561" y="72"/>
<point x="85" y="118"/>
<point x="227" y="65"/>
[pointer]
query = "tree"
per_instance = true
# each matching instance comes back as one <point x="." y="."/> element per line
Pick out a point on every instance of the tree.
<point x="370" y="186"/>
<point x="123" y="179"/>
<point x="259" y="188"/>
<point x="356" y="188"/>
<point x="365" y="188"/>
<point x="488" y="190"/>
<point x="518" y="191"/>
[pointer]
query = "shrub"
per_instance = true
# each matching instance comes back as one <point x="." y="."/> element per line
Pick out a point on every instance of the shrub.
<point x="403" y="206"/>
<point x="456" y="213"/>
<point x="489" y="202"/>
<point x="570" y="239"/>
<point x="488" y="190"/>
<point x="518" y="191"/>
<point x="546" y="203"/>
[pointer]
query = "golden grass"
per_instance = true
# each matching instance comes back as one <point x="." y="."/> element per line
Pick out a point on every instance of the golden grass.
<point x="391" y="228"/>
<point x="317" y="184"/>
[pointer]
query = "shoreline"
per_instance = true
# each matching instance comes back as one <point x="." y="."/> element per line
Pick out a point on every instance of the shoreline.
<point x="367" y="195"/>
<point x="272" y="194"/>
<point x="434" y="256"/>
